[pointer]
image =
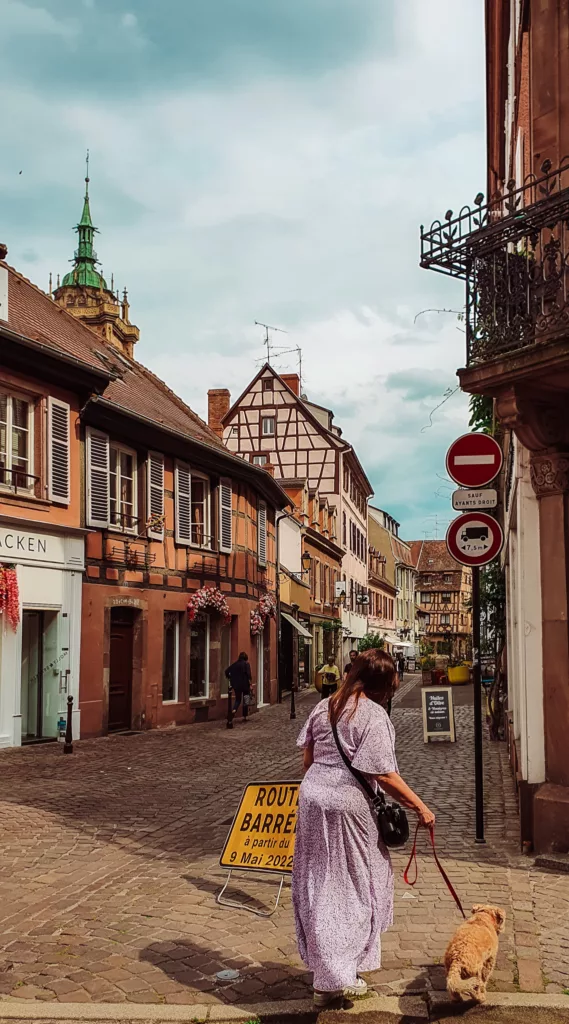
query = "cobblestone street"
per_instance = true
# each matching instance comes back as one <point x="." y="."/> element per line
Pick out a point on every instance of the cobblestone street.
<point x="108" y="868"/>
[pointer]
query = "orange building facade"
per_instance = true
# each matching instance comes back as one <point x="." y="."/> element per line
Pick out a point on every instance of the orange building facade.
<point x="144" y="551"/>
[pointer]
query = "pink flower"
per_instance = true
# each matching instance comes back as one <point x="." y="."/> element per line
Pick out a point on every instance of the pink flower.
<point x="208" y="597"/>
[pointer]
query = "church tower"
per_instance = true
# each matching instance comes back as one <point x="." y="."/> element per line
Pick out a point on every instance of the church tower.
<point x="85" y="294"/>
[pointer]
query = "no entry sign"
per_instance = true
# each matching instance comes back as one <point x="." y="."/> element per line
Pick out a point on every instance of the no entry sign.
<point x="474" y="539"/>
<point x="474" y="460"/>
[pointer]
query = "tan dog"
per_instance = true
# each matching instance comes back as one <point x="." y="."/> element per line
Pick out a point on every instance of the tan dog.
<point x="471" y="953"/>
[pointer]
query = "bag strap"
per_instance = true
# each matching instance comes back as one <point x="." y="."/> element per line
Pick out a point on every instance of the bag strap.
<point x="413" y="858"/>
<point x="377" y="798"/>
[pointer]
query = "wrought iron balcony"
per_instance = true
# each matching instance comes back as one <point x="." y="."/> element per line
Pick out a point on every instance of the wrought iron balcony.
<point x="513" y="254"/>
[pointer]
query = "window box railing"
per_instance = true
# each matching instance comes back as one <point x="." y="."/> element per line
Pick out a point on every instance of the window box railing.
<point x="14" y="481"/>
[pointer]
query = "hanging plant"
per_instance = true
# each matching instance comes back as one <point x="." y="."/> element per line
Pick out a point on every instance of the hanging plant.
<point x="208" y="597"/>
<point x="266" y="609"/>
<point x="9" y="596"/>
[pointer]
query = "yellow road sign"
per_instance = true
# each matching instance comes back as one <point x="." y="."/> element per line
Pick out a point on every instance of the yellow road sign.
<point x="262" y="835"/>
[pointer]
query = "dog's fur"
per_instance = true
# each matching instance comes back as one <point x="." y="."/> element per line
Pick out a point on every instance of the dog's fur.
<point x="471" y="954"/>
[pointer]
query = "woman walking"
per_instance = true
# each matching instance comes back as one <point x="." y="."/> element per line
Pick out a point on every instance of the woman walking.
<point x="342" y="882"/>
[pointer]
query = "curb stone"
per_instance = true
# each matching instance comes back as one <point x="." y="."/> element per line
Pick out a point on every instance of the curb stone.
<point x="289" y="1010"/>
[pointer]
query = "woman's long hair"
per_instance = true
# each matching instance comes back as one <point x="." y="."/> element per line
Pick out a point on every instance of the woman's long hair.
<point x="373" y="673"/>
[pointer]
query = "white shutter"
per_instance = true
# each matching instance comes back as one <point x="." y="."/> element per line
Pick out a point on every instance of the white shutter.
<point x="155" y="493"/>
<point x="225" y="516"/>
<point x="183" y="493"/>
<point x="262" y="533"/>
<point x="97" y="479"/>
<point x="58" y="451"/>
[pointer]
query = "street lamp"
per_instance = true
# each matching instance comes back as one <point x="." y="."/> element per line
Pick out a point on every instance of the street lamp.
<point x="306" y="562"/>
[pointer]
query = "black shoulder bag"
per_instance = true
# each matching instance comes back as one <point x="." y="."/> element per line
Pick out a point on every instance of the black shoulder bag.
<point x="390" y="818"/>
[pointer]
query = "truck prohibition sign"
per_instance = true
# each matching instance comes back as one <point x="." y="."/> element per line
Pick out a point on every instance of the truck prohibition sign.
<point x="474" y="538"/>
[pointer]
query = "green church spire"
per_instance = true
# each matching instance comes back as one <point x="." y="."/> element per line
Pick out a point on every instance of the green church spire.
<point x="84" y="271"/>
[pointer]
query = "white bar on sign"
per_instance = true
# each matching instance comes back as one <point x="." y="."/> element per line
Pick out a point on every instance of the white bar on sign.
<point x="474" y="460"/>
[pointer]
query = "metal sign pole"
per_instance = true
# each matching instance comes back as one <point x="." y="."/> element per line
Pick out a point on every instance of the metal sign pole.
<point x="478" y="755"/>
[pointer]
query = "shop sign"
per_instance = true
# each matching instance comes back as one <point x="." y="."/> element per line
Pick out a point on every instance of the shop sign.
<point x="262" y="835"/>
<point x="438" y="713"/>
<point x="21" y="546"/>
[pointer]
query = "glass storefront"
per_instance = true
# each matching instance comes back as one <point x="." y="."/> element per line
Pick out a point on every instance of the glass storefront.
<point x="41" y="675"/>
<point x="199" y="657"/>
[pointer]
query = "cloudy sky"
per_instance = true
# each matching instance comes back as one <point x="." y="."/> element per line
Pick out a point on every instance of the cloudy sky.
<point x="262" y="160"/>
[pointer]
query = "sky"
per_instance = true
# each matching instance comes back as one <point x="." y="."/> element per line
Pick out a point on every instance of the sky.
<point x="268" y="161"/>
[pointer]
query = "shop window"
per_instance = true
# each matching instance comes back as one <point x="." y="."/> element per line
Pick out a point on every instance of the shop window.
<point x="199" y="658"/>
<point x="16" y="447"/>
<point x="122" y="489"/>
<point x="225" y="658"/>
<point x="171" y="657"/>
<point x="268" y="426"/>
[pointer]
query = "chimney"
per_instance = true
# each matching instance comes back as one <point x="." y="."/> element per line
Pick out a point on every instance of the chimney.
<point x="270" y="469"/>
<point x="293" y="381"/>
<point x="218" y="403"/>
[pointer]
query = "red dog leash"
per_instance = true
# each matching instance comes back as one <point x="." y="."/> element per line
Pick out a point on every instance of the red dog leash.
<point x="413" y="857"/>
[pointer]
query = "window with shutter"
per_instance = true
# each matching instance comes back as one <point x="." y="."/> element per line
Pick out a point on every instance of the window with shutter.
<point x="183" y="494"/>
<point x="225" y="516"/>
<point x="155" y="495"/>
<point x="262" y="533"/>
<point x="58" y="451"/>
<point x="97" y="479"/>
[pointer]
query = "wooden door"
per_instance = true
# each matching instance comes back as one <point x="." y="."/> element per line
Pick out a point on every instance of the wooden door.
<point x="120" y="671"/>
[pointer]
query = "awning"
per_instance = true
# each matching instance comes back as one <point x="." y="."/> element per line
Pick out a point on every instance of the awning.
<point x="404" y="643"/>
<point x="296" y="625"/>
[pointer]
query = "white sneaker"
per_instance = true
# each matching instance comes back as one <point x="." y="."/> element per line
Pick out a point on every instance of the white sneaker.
<point x="359" y="988"/>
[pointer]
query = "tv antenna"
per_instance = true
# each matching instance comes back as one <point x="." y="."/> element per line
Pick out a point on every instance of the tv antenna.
<point x="268" y="339"/>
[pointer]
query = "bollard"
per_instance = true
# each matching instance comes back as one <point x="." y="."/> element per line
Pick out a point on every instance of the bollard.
<point x="292" y="702"/>
<point x="68" y="745"/>
<point x="229" y="709"/>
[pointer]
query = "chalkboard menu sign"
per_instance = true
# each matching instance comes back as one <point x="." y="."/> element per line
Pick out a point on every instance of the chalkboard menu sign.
<point x="438" y="713"/>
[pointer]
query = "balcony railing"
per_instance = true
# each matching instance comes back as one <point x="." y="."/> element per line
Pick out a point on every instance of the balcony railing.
<point x="513" y="253"/>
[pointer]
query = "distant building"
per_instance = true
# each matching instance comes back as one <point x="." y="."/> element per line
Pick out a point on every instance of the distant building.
<point x="381" y="576"/>
<point x="444" y="594"/>
<point x="272" y="423"/>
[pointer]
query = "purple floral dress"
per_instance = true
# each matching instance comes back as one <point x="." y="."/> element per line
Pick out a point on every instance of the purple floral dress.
<point x="342" y="882"/>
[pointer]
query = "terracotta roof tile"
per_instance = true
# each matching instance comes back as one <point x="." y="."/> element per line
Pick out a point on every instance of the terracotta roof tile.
<point x="434" y="557"/>
<point x="136" y="389"/>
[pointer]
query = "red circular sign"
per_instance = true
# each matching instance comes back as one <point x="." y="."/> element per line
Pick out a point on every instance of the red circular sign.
<point x="474" y="539"/>
<point x="474" y="460"/>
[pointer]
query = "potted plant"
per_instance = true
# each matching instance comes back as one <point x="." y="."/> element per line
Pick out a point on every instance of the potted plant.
<point x="458" y="672"/>
<point x="427" y="666"/>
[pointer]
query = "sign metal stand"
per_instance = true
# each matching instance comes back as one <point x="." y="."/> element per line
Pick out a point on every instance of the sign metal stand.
<point x="243" y="906"/>
<point x="261" y="838"/>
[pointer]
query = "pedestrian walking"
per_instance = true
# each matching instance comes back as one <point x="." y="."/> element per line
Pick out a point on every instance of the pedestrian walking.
<point x="239" y="675"/>
<point x="330" y="677"/>
<point x="401" y="666"/>
<point x="353" y="655"/>
<point x="342" y="882"/>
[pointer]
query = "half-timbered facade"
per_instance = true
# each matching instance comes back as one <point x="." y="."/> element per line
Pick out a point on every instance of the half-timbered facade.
<point x="271" y="423"/>
<point x="444" y="591"/>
